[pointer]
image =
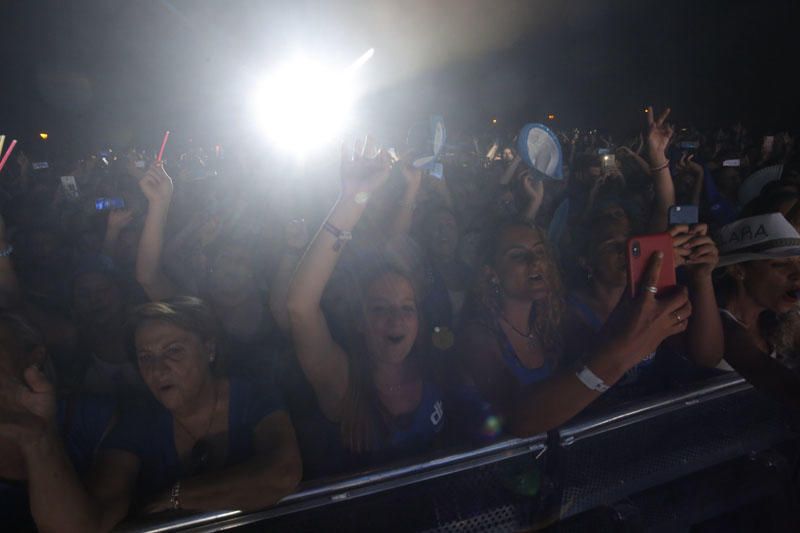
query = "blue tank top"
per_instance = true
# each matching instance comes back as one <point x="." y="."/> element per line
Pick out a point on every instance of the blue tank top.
<point x="324" y="453"/>
<point x="523" y="374"/>
<point x="147" y="432"/>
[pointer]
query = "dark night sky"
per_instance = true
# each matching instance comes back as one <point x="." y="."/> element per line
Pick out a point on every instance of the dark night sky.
<point x="122" y="70"/>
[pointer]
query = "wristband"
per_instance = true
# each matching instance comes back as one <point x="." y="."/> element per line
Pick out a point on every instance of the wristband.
<point x="341" y="236"/>
<point x="591" y="380"/>
<point x="7" y="251"/>
<point x="175" y="495"/>
<point x="660" y="167"/>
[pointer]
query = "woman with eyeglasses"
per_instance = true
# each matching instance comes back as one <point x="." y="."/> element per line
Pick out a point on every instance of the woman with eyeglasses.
<point x="206" y="442"/>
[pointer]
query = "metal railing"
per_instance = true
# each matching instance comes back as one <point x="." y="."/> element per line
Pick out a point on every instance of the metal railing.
<point x="320" y="494"/>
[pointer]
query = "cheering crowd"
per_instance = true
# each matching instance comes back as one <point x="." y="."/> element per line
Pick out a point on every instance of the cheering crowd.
<point x="198" y="346"/>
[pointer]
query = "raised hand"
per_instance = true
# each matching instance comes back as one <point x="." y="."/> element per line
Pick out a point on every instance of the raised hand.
<point x="413" y="176"/>
<point x="156" y="184"/>
<point x="361" y="176"/>
<point x="650" y="320"/>
<point x="533" y="190"/>
<point x="695" y="249"/>
<point x="689" y="166"/>
<point x="659" y="133"/>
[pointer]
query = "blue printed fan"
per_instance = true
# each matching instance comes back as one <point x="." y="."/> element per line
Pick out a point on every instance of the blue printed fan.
<point x="540" y="149"/>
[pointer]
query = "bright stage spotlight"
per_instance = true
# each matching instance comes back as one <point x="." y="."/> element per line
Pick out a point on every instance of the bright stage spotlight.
<point x="303" y="103"/>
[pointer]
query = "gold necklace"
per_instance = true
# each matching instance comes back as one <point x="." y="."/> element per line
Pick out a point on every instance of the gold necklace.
<point x="528" y="335"/>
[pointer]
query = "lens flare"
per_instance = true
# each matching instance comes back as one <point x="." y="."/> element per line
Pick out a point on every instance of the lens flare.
<point x="304" y="103"/>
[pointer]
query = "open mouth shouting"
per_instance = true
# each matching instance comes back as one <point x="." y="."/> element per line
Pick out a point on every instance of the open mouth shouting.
<point x="395" y="340"/>
<point x="792" y="296"/>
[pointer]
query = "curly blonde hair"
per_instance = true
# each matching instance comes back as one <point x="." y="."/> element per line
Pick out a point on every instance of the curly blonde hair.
<point x="547" y="314"/>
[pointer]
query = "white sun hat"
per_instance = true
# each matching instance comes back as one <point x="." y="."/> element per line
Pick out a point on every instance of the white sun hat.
<point x="755" y="238"/>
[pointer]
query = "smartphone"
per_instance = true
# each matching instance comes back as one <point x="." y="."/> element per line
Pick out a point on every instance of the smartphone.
<point x="689" y="145"/>
<point x="603" y="151"/>
<point x="732" y="163"/>
<point x="41" y="165"/>
<point x="609" y="161"/>
<point x="640" y="249"/>
<point x="683" y="214"/>
<point x="70" y="187"/>
<point x="139" y="164"/>
<point x="769" y="142"/>
<point x="104" y="204"/>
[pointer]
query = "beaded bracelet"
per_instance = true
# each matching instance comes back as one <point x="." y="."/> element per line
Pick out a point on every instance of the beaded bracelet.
<point x="662" y="167"/>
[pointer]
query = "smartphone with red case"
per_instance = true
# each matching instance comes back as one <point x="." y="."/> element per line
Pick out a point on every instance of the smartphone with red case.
<point x="640" y="249"/>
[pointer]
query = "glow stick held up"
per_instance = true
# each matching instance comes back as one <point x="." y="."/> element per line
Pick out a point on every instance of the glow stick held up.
<point x="163" y="145"/>
<point x="8" y="153"/>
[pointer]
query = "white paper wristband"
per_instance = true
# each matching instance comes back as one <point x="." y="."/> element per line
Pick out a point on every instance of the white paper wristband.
<point x="591" y="380"/>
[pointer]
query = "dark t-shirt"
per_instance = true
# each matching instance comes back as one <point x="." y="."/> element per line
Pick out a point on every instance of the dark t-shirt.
<point x="147" y="432"/>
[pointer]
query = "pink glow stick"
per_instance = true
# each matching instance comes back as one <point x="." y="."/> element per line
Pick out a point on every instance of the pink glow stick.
<point x="163" y="145"/>
<point x="8" y="153"/>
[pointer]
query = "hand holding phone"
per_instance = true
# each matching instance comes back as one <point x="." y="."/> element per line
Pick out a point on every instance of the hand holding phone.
<point x="70" y="187"/>
<point x="683" y="214"/>
<point x="640" y="249"/>
<point x="695" y="250"/>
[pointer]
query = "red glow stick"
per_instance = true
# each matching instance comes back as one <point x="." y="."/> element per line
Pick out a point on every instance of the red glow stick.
<point x="8" y="153"/>
<point x="163" y="144"/>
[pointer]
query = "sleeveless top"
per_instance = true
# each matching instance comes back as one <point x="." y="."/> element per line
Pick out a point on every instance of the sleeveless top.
<point x="147" y="432"/>
<point x="523" y="374"/>
<point x="727" y="315"/>
<point x="413" y="433"/>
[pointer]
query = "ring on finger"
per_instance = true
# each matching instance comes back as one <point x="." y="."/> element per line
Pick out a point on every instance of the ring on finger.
<point x="651" y="288"/>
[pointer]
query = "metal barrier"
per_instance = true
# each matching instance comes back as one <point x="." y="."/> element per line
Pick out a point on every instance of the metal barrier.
<point x="519" y="483"/>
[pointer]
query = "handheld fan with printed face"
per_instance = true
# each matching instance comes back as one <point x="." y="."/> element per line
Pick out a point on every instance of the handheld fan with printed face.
<point x="541" y="151"/>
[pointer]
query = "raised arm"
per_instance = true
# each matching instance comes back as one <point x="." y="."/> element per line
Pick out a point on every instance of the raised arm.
<point x="404" y="217"/>
<point x="296" y="241"/>
<point x="511" y="169"/>
<point x="323" y="360"/>
<point x="58" y="499"/>
<point x="157" y="187"/>
<point x="548" y="404"/>
<point x="704" y="339"/>
<point x="533" y="192"/>
<point x="659" y="134"/>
